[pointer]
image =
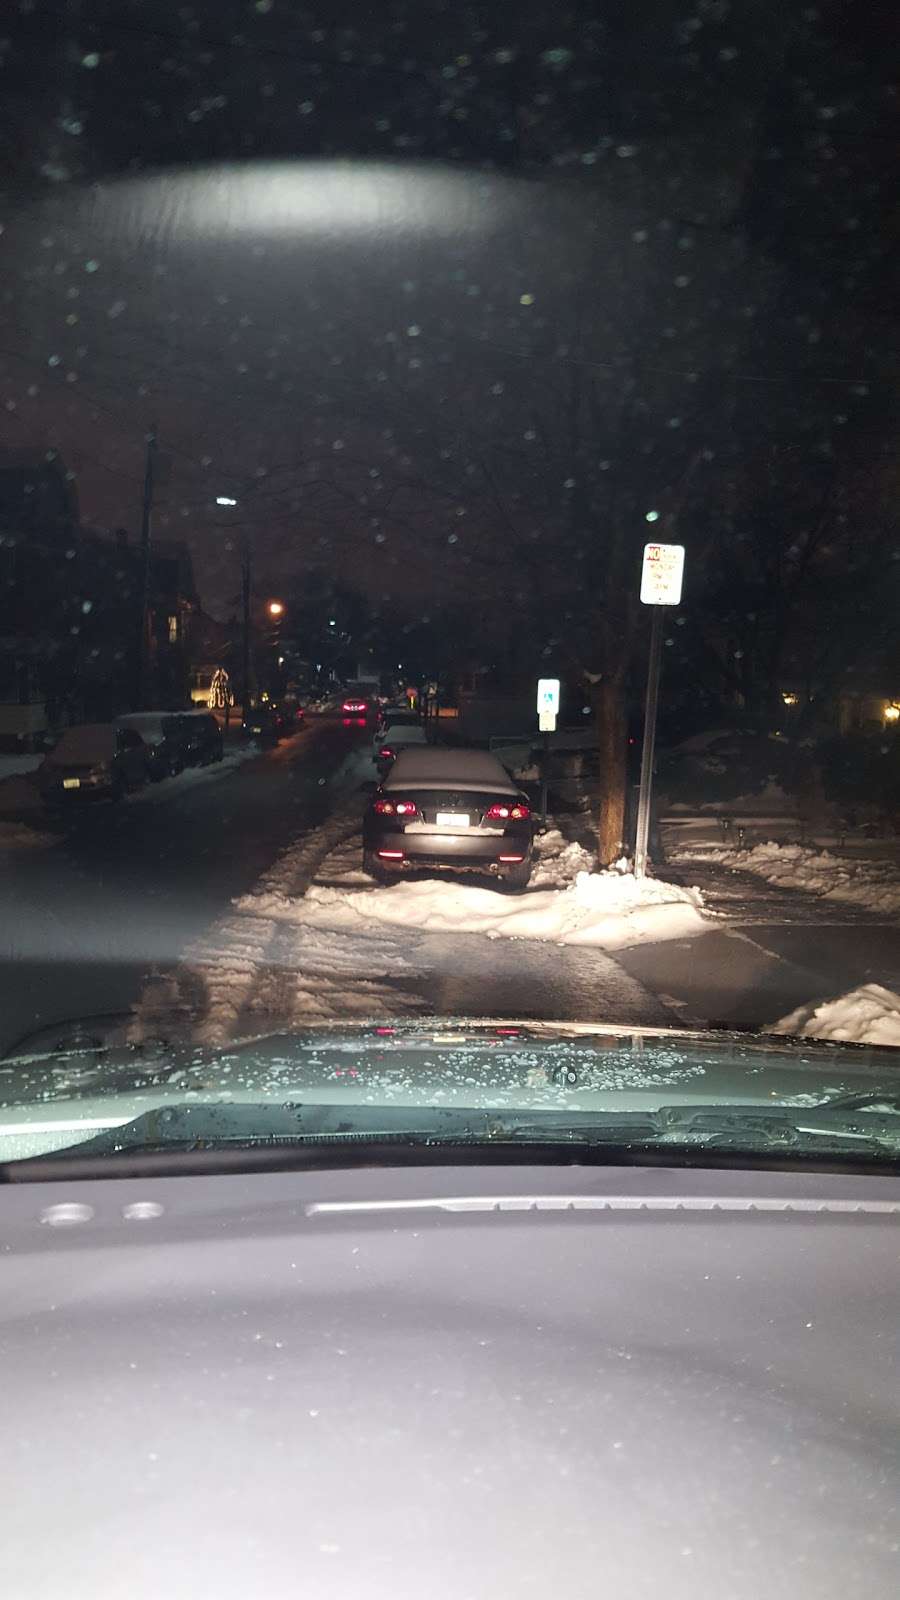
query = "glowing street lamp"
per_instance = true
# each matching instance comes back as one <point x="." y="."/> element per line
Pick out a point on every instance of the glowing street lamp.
<point x="275" y="608"/>
<point x="225" y="500"/>
<point x="892" y="713"/>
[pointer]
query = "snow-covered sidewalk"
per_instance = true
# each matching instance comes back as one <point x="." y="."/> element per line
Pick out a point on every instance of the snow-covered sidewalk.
<point x="193" y="777"/>
<point x="870" y="881"/>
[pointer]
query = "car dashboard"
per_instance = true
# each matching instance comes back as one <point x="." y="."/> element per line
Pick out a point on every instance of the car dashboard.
<point x="473" y="1381"/>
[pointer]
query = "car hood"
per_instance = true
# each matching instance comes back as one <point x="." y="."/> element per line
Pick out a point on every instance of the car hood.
<point x="48" y="1098"/>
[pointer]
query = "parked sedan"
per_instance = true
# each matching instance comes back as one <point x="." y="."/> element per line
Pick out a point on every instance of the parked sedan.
<point x="454" y="809"/>
<point x="396" y="737"/>
<point x="160" y="733"/>
<point x="93" y="760"/>
<point x="199" y="737"/>
<point x="264" y="723"/>
<point x="396" y="716"/>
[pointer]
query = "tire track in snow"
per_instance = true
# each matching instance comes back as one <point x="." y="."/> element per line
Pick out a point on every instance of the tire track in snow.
<point x="251" y="970"/>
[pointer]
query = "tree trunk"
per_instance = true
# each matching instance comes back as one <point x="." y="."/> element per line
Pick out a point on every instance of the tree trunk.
<point x="612" y="746"/>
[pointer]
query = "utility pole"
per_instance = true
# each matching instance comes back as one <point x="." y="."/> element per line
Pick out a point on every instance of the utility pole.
<point x="143" y="660"/>
<point x="642" y="833"/>
<point x="245" y="605"/>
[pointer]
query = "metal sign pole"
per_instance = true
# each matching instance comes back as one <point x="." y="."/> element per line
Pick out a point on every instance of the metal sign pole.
<point x="643" y="816"/>
<point x="545" y="760"/>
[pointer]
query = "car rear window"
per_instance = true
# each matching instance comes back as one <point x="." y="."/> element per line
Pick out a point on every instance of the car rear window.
<point x="429" y="768"/>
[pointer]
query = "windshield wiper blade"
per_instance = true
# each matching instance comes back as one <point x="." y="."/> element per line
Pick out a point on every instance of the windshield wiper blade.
<point x="674" y="1131"/>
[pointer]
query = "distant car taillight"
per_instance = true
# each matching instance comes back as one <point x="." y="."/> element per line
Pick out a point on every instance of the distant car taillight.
<point x="386" y="753"/>
<point x="507" y="813"/>
<point x="396" y="808"/>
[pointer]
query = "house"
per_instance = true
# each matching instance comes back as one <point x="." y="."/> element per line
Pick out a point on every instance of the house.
<point x="39" y="603"/>
<point x="865" y="709"/>
<point x="122" y="662"/>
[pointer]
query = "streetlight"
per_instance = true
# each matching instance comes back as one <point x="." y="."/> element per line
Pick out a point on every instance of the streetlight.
<point x="225" y="500"/>
<point x="276" y="608"/>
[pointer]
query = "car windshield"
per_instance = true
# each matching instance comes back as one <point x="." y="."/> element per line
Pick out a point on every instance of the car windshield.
<point x="448" y="543"/>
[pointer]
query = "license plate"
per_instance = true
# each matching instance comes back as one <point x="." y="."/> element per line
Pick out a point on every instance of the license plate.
<point x="71" y="783"/>
<point x="453" y="819"/>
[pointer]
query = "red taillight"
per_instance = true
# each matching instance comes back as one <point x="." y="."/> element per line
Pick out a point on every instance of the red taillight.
<point x="507" y="813"/>
<point x="385" y="753"/>
<point x="396" y="808"/>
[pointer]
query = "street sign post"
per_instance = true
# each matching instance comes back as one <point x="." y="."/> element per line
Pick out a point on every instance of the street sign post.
<point x="547" y="710"/>
<point x="547" y="703"/>
<point x="661" y="574"/>
<point x="661" y="580"/>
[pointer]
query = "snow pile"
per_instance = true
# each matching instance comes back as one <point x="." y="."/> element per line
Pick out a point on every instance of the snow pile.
<point x="868" y="1015"/>
<point x="558" y="862"/>
<point x="874" y="884"/>
<point x="608" y="909"/>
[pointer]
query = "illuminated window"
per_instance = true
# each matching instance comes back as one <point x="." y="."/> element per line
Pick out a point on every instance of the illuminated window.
<point x="173" y="630"/>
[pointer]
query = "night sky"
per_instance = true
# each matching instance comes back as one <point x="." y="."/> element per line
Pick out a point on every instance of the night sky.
<point x="435" y="291"/>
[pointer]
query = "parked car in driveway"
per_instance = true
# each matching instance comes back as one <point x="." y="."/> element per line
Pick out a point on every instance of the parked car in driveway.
<point x="199" y="737"/>
<point x="453" y="809"/>
<point x="94" y="760"/>
<point x="396" y="737"/>
<point x="162" y="737"/>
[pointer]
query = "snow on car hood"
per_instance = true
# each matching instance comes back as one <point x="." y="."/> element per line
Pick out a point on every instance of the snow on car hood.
<point x="50" y="1102"/>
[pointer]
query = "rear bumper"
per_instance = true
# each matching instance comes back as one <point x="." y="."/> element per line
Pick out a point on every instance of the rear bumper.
<point x="465" y="852"/>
